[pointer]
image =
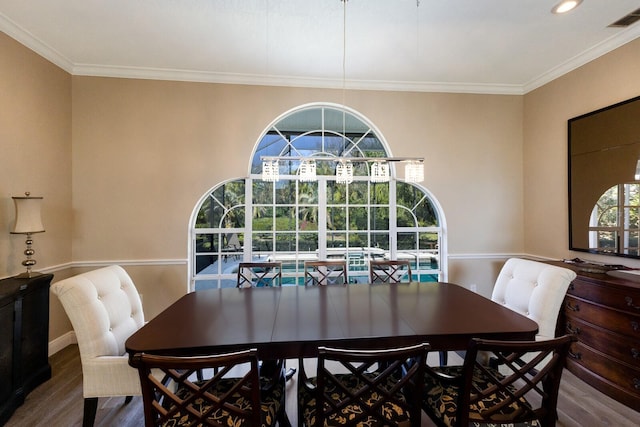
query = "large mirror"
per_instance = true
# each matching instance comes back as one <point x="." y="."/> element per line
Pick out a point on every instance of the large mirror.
<point x="604" y="180"/>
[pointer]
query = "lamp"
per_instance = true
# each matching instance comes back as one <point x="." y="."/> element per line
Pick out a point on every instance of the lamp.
<point x="637" y="175"/>
<point x="28" y="221"/>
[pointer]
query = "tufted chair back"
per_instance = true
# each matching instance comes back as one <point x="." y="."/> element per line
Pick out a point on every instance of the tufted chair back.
<point x="535" y="290"/>
<point x="104" y="308"/>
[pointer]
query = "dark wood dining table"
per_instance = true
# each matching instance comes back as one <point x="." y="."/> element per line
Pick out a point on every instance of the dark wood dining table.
<point x="292" y="321"/>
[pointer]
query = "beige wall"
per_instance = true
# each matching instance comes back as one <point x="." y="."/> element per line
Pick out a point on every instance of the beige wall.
<point x="137" y="155"/>
<point x="35" y="153"/>
<point x="605" y="81"/>
<point x="145" y="152"/>
<point x="35" y="156"/>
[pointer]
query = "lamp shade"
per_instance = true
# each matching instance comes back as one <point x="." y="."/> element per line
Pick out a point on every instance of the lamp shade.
<point x="28" y="218"/>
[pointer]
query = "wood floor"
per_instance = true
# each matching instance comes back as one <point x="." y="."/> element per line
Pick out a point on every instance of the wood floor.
<point x="58" y="402"/>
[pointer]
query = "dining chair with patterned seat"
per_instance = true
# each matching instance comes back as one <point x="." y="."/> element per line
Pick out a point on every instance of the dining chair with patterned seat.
<point x="350" y="389"/>
<point x="259" y="274"/>
<point x="389" y="271"/>
<point x="175" y="398"/>
<point x="478" y="395"/>
<point x="321" y="273"/>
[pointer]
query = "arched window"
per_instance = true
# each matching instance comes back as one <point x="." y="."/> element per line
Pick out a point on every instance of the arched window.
<point x="293" y="221"/>
<point x="614" y="226"/>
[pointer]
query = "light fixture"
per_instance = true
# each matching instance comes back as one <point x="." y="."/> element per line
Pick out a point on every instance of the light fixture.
<point x="637" y="176"/>
<point x="344" y="172"/>
<point x="414" y="171"/>
<point x="380" y="171"/>
<point x="28" y="221"/>
<point x="307" y="170"/>
<point x="270" y="170"/>
<point x="565" y="6"/>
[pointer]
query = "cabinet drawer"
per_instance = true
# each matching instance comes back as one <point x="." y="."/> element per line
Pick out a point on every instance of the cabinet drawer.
<point x="620" y="322"/>
<point x="626" y="377"/>
<point x="617" y="346"/>
<point x="626" y="300"/>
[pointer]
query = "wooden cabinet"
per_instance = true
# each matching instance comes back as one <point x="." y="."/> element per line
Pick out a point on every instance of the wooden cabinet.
<point x="604" y="313"/>
<point x="24" y="339"/>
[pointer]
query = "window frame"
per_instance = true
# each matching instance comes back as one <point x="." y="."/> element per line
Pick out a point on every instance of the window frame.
<point x="246" y="233"/>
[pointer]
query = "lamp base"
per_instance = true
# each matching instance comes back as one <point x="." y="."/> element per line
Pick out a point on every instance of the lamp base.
<point x="28" y="275"/>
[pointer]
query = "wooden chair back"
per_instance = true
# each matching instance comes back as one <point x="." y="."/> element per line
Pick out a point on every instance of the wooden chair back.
<point x="320" y="273"/>
<point x="380" y="387"/>
<point x="171" y="394"/>
<point x="389" y="271"/>
<point x="522" y="388"/>
<point x="259" y="274"/>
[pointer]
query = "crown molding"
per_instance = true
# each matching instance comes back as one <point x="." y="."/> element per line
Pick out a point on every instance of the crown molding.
<point x="290" y="81"/>
<point x="617" y="40"/>
<point x="95" y="70"/>
<point x="24" y="37"/>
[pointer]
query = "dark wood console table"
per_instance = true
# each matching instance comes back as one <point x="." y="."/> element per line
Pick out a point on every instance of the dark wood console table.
<point x="24" y="339"/>
<point x="604" y="312"/>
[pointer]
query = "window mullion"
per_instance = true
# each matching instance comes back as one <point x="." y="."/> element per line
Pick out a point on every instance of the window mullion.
<point x="247" y="252"/>
<point x="322" y="218"/>
<point x="393" y="226"/>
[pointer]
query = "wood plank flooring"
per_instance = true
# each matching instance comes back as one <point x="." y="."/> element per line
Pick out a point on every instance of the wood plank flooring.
<point x="59" y="402"/>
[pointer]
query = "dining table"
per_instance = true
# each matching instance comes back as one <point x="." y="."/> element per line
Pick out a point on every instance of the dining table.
<point x="292" y="321"/>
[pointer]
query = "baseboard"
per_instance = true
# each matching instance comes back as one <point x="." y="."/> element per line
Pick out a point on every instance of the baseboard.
<point x="61" y="342"/>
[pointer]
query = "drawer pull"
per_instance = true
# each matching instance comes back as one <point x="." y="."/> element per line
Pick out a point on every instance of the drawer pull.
<point x="635" y="353"/>
<point x="576" y="356"/>
<point x="572" y="287"/>
<point x="630" y="303"/>
<point x="571" y="330"/>
<point x="635" y="326"/>
<point x="573" y="307"/>
<point x="636" y="383"/>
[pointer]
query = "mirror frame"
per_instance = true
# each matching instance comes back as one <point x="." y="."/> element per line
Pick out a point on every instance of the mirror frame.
<point x="603" y="148"/>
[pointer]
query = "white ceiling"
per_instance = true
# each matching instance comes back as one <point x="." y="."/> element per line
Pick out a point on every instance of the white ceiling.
<point x="478" y="46"/>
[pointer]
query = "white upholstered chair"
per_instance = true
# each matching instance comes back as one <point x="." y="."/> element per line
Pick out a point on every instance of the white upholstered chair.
<point x="105" y="309"/>
<point x="533" y="289"/>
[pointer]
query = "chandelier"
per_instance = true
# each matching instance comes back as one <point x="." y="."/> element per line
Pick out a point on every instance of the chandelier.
<point x="379" y="168"/>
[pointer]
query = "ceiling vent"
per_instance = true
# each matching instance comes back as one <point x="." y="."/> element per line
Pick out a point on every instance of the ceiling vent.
<point x="627" y="20"/>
